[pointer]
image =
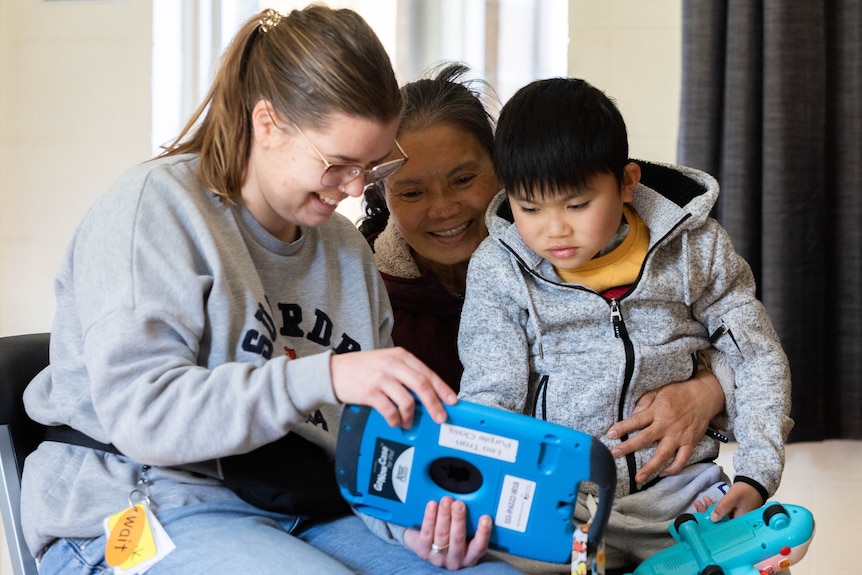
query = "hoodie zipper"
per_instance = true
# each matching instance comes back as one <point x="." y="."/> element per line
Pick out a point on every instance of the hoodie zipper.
<point x="620" y="332"/>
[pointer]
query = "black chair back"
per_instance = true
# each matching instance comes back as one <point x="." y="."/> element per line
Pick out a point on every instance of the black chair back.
<point x="21" y="358"/>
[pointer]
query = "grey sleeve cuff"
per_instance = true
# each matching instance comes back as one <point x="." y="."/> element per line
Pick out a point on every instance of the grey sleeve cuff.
<point x="309" y="382"/>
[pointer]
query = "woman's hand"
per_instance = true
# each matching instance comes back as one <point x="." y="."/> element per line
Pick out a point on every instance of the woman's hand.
<point x="384" y="378"/>
<point x="442" y="539"/>
<point x="676" y="416"/>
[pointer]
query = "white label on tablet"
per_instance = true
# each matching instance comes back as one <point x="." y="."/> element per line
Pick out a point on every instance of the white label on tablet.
<point x="478" y="442"/>
<point x="516" y="500"/>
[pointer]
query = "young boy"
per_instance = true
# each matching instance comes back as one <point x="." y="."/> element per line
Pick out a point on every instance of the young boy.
<point x="602" y="279"/>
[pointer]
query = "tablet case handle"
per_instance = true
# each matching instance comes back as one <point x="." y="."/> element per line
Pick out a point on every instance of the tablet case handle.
<point x="353" y="420"/>
<point x="603" y="472"/>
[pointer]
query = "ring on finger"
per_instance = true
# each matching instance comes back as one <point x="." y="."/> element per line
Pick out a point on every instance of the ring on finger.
<point x="439" y="548"/>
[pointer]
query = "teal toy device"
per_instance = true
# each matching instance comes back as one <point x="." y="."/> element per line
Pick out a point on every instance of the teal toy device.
<point x="760" y="542"/>
<point x="521" y="471"/>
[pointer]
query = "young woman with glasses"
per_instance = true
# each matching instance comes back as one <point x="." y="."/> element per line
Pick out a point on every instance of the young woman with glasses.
<point x="212" y="305"/>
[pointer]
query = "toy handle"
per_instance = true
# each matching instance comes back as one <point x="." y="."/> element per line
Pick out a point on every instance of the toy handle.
<point x="603" y="472"/>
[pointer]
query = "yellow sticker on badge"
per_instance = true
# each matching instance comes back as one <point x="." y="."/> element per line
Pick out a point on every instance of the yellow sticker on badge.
<point x="130" y="541"/>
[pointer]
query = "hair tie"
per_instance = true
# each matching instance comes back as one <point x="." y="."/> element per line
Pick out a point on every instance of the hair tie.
<point x="270" y="20"/>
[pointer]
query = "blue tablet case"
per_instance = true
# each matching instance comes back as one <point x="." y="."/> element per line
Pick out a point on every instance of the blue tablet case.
<point x="521" y="471"/>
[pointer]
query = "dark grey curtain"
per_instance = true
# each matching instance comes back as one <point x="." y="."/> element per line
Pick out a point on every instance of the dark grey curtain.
<point x="772" y="106"/>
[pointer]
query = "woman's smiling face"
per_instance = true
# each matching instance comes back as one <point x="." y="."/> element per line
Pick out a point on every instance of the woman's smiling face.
<point x="283" y="188"/>
<point x="437" y="200"/>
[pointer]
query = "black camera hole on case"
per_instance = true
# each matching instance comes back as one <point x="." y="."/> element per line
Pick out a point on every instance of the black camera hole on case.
<point x="456" y="475"/>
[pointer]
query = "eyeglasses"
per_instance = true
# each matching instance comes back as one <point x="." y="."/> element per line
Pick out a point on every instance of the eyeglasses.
<point x="335" y="175"/>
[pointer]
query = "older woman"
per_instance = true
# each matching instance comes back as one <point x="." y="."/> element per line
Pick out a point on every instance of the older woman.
<point x="437" y="208"/>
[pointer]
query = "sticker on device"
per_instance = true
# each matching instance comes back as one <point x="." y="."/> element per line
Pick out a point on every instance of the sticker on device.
<point x="390" y="470"/>
<point x="480" y="443"/>
<point x="516" y="500"/>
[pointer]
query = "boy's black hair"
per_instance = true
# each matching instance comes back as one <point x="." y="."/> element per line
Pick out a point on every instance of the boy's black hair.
<point x="554" y="135"/>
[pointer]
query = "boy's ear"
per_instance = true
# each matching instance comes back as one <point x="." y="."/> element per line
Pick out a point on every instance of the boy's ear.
<point x="631" y="179"/>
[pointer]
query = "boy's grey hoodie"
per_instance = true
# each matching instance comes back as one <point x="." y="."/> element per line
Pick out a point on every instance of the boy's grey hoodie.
<point x="532" y="343"/>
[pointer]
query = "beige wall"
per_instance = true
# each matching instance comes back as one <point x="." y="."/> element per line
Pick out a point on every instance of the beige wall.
<point x="74" y="111"/>
<point x="632" y="50"/>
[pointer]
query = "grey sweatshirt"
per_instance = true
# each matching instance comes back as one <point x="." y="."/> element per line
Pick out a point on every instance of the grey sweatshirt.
<point x="531" y="343"/>
<point x="177" y="321"/>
